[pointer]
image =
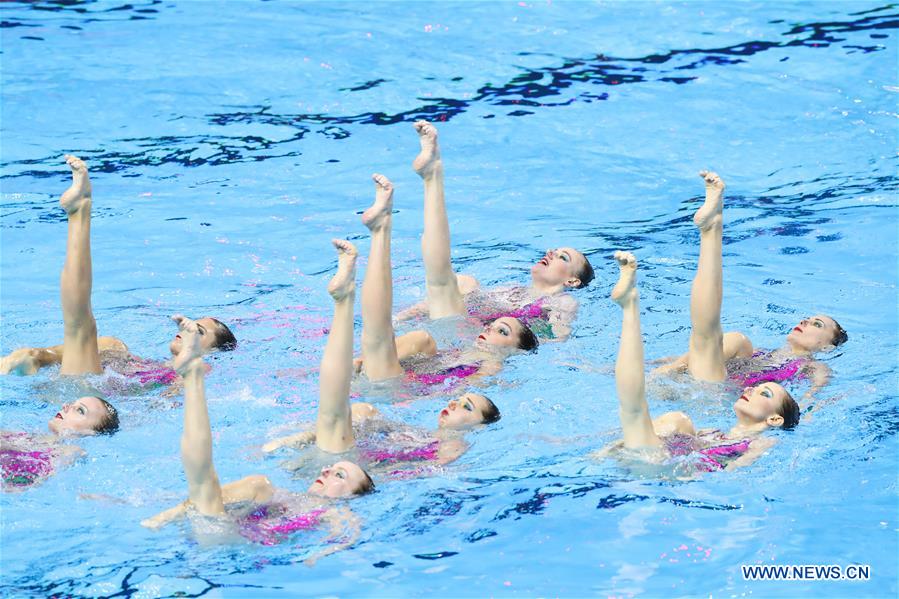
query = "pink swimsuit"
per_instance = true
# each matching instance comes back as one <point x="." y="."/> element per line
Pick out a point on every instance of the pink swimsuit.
<point x="712" y="458"/>
<point x="530" y="311"/>
<point x="771" y="374"/>
<point x="161" y="375"/>
<point x="425" y="453"/>
<point x="270" y="524"/>
<point x="23" y="468"/>
<point x="421" y="459"/>
<point x="441" y="377"/>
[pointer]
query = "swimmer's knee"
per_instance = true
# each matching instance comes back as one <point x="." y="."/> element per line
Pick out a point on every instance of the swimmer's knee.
<point x="674" y="422"/>
<point x="466" y="283"/>
<point x="261" y="486"/>
<point x="421" y="342"/>
<point x="111" y="344"/>
<point x="737" y="345"/>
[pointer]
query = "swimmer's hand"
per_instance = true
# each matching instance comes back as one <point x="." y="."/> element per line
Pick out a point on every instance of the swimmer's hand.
<point x="22" y="362"/>
<point x="671" y="365"/>
<point x="297" y="440"/>
<point x="163" y="518"/>
<point x="362" y="411"/>
<point x="419" y="310"/>
<point x="357" y="365"/>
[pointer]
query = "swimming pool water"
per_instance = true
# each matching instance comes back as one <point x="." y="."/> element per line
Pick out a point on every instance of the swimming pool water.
<point x="228" y="142"/>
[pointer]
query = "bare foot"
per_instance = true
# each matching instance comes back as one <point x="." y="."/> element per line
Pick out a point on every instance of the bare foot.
<point x="80" y="191"/>
<point x="191" y="354"/>
<point x="379" y="213"/>
<point x="344" y="282"/>
<point x="427" y="161"/>
<point x="625" y="290"/>
<point x="710" y="212"/>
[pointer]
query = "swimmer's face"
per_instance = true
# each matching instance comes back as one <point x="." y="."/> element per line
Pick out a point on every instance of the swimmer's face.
<point x="81" y="417"/>
<point x="463" y="412"/>
<point x="207" y="328"/>
<point x="560" y="266"/>
<point x="761" y="404"/>
<point x="813" y="334"/>
<point x="502" y="332"/>
<point x="343" y="479"/>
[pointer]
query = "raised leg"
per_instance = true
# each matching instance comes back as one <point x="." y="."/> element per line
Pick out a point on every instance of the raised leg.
<point x="706" y="353"/>
<point x="636" y="423"/>
<point x="204" y="490"/>
<point x="378" y="345"/>
<point x="80" y="355"/>
<point x="444" y="297"/>
<point x="334" y="426"/>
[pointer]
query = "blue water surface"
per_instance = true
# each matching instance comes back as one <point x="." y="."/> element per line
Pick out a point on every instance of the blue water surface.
<point x="228" y="142"/>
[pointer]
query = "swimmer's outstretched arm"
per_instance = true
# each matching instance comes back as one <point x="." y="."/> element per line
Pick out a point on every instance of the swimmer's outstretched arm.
<point x="204" y="490"/>
<point x="360" y="411"/>
<point x="418" y="310"/>
<point x="28" y="360"/>
<point x="81" y="354"/>
<point x="334" y="427"/>
<point x="345" y="531"/>
<point x="255" y="488"/>
<point x="706" y="353"/>
<point x="819" y="373"/>
<point x="295" y="440"/>
<point x="444" y="295"/>
<point x="561" y="316"/>
<point x="757" y="448"/>
<point x="408" y="345"/>
<point x="379" y="351"/>
<point x="636" y="424"/>
<point x="736" y="345"/>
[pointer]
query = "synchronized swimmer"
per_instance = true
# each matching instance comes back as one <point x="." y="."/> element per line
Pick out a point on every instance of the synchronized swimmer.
<point x="383" y="352"/>
<point x="82" y="351"/>
<point x="543" y="304"/>
<point x="711" y="350"/>
<point x="27" y="459"/>
<point x="514" y="321"/>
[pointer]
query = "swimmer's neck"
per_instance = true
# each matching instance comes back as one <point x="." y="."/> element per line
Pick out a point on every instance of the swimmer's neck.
<point x="477" y="355"/>
<point x="447" y="434"/>
<point x="792" y="350"/>
<point x="741" y="431"/>
<point x="542" y="290"/>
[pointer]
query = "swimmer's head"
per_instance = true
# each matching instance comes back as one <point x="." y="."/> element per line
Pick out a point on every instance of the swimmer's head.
<point x="214" y="336"/>
<point x="343" y="479"/>
<point x="508" y="332"/>
<point x="768" y="403"/>
<point x="816" y="333"/>
<point x="85" y="416"/>
<point x="565" y="267"/>
<point x="467" y="411"/>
